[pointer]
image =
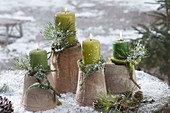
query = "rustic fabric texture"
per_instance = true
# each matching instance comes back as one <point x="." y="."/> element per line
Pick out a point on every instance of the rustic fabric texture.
<point x="93" y="86"/>
<point x="37" y="99"/>
<point x="66" y="80"/>
<point x="117" y="79"/>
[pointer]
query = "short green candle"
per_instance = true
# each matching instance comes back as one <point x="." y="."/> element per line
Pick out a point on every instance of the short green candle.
<point x="66" y="19"/>
<point x="90" y="51"/>
<point x="38" y="57"/>
<point x="120" y="49"/>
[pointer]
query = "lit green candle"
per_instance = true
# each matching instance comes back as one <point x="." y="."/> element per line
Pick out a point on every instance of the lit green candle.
<point x="120" y="49"/>
<point x="66" y="20"/>
<point x="90" y="51"/>
<point x="38" y="57"/>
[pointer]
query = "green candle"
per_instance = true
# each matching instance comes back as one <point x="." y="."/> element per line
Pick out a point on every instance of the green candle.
<point x="38" y="57"/>
<point x="66" y="21"/>
<point x="120" y="49"/>
<point x="90" y="51"/>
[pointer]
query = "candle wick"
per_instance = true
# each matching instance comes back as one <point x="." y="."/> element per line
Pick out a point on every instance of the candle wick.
<point x="65" y="10"/>
<point x="37" y="46"/>
<point x="120" y="35"/>
<point x="90" y="36"/>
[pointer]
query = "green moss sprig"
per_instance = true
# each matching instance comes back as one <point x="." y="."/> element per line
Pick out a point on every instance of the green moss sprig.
<point x="22" y="63"/>
<point x="91" y="68"/>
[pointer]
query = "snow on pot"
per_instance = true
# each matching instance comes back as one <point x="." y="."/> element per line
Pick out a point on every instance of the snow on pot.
<point x="90" y="85"/>
<point x="118" y="79"/>
<point x="65" y="64"/>
<point x="38" y="99"/>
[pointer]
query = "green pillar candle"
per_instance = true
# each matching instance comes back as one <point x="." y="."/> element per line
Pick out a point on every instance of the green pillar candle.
<point x="90" y="51"/>
<point x="38" y="57"/>
<point x="120" y="49"/>
<point x="66" y="19"/>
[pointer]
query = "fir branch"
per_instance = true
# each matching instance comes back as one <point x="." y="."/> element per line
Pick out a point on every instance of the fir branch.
<point x="155" y="37"/>
<point x="122" y="103"/>
<point x="137" y="52"/>
<point x="115" y="104"/>
<point x="59" y="36"/>
<point x="50" y="32"/>
<point x="22" y="63"/>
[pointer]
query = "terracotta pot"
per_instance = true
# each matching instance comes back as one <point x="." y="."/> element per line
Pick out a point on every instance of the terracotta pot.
<point x="118" y="79"/>
<point x="66" y="80"/>
<point x="37" y="99"/>
<point x="93" y="86"/>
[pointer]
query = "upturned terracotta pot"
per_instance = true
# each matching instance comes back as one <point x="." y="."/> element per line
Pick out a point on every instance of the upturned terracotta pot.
<point x="66" y="80"/>
<point x="37" y="99"/>
<point x="118" y="79"/>
<point x="93" y="87"/>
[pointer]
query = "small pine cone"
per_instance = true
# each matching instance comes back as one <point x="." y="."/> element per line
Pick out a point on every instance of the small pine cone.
<point x="138" y="96"/>
<point x="5" y="105"/>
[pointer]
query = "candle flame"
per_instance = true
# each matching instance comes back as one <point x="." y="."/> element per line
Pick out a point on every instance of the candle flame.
<point x="120" y="35"/>
<point x="37" y="45"/>
<point x="91" y="35"/>
<point x="65" y="10"/>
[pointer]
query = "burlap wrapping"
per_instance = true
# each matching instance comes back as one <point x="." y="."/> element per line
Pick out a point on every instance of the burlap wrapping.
<point x="93" y="86"/>
<point x="67" y="79"/>
<point x="117" y="79"/>
<point x="37" y="99"/>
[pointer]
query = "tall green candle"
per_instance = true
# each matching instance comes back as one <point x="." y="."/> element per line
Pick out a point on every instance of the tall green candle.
<point x="66" y="21"/>
<point x="38" y="57"/>
<point x="120" y="49"/>
<point x="90" y="51"/>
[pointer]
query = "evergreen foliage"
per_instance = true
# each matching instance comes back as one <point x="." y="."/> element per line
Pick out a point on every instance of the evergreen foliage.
<point x="156" y="38"/>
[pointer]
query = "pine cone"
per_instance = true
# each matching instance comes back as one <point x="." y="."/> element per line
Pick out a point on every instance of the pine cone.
<point x="5" y="105"/>
<point x="138" y="96"/>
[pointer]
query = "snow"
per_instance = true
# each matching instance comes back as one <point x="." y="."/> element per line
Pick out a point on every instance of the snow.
<point x="14" y="93"/>
<point x="155" y="89"/>
<point x="14" y="16"/>
<point x="87" y="5"/>
<point x="152" y="88"/>
<point x="90" y="14"/>
<point x="141" y="5"/>
<point x="14" y="4"/>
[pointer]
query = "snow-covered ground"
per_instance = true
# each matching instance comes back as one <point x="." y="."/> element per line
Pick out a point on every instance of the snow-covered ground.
<point x="105" y="19"/>
<point x="152" y="88"/>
